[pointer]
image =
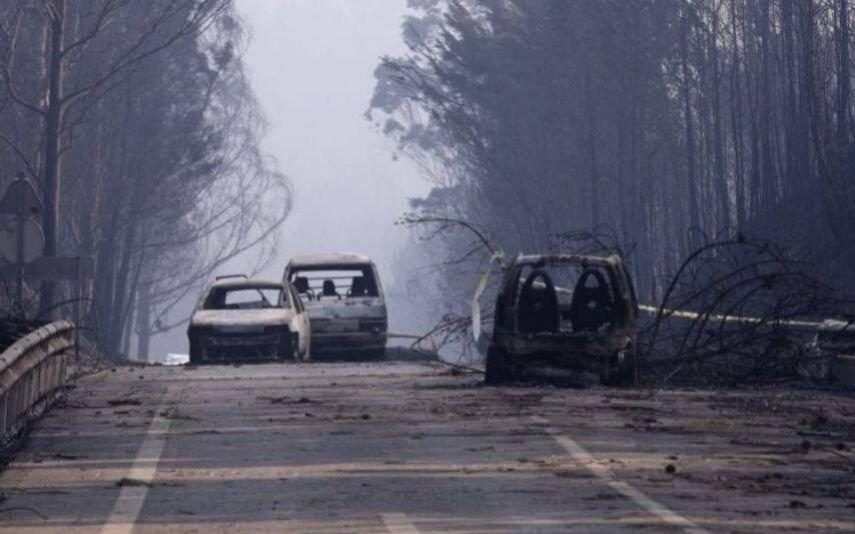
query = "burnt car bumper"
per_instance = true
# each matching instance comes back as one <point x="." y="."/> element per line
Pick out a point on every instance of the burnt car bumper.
<point x="208" y="345"/>
<point x="347" y="342"/>
<point x="348" y="335"/>
<point x="590" y="353"/>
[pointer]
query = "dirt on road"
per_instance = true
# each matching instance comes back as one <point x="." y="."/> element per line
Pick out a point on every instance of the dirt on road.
<point x="408" y="447"/>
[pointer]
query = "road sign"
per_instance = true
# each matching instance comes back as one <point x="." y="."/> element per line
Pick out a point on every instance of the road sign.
<point x="32" y="242"/>
<point x="21" y="199"/>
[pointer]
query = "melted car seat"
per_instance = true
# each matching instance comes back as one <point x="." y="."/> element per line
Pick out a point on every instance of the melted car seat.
<point x="591" y="306"/>
<point x="538" y="306"/>
<point x="328" y="290"/>
<point x="301" y="284"/>
<point x="358" y="287"/>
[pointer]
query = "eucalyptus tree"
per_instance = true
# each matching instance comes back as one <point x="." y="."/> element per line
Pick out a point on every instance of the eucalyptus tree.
<point x="138" y="123"/>
<point x="670" y="121"/>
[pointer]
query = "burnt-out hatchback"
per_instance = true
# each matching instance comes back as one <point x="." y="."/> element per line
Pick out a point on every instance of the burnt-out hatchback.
<point x="241" y="319"/>
<point x="564" y="312"/>
<point x="344" y="298"/>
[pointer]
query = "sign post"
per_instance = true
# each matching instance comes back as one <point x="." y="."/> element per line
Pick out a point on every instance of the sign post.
<point x="21" y="237"/>
<point x="22" y="245"/>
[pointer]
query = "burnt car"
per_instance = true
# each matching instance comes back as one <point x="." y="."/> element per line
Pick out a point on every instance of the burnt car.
<point x="566" y="312"/>
<point x="344" y="298"/>
<point x="244" y="319"/>
<point x="834" y="343"/>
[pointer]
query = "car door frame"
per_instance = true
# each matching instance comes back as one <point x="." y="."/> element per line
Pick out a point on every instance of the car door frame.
<point x="301" y="317"/>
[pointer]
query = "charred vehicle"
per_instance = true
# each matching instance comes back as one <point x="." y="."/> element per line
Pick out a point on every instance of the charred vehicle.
<point x="834" y="342"/>
<point x="244" y="319"/>
<point x="344" y="298"/>
<point x="836" y="337"/>
<point x="565" y="312"/>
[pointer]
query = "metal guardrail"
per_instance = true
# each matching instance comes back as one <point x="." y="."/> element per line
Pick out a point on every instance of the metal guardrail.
<point x="32" y="373"/>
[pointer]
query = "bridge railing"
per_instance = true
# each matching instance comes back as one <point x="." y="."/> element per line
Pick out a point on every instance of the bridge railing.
<point x="32" y="373"/>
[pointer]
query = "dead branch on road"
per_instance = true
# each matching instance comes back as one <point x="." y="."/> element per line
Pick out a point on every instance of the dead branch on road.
<point x="476" y="256"/>
<point x="738" y="312"/>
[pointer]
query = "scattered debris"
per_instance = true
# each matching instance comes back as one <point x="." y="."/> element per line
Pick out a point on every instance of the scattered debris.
<point x="132" y="482"/>
<point x="135" y="482"/>
<point x="124" y="402"/>
<point x="605" y="497"/>
<point x="64" y="456"/>
<point x="173" y="413"/>
<point x="24" y="509"/>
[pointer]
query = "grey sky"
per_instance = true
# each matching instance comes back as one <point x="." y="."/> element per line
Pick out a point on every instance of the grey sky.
<point x="311" y="65"/>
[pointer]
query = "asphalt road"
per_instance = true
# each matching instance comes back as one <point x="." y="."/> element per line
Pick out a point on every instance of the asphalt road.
<point x="406" y="448"/>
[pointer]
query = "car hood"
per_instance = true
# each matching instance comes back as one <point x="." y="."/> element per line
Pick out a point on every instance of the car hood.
<point x="269" y="316"/>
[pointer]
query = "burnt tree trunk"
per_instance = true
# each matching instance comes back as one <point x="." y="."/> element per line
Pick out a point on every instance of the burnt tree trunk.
<point x="691" y="172"/>
<point x="52" y="139"/>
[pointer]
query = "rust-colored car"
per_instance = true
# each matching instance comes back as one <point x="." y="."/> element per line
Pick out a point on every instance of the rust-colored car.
<point x="565" y="311"/>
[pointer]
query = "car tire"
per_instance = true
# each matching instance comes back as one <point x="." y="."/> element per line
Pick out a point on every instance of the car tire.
<point x="621" y="370"/>
<point x="367" y="355"/>
<point x="294" y="347"/>
<point x="497" y="370"/>
<point x="195" y="353"/>
<point x="629" y="370"/>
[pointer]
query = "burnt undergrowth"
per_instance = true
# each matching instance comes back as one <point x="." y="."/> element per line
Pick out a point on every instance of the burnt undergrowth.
<point x="741" y="312"/>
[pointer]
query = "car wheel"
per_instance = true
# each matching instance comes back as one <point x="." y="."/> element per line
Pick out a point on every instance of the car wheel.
<point x="295" y="347"/>
<point x="497" y="370"/>
<point x="629" y="369"/>
<point x="195" y="353"/>
<point x="367" y="355"/>
<point x="621" y="370"/>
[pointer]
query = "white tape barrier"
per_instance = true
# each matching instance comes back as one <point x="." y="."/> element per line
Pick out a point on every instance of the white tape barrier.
<point x="810" y="325"/>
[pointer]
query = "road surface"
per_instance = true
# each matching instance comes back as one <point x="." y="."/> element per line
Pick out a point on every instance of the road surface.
<point x="404" y="448"/>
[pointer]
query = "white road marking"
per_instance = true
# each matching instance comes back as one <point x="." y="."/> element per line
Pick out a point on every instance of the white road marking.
<point x="399" y="524"/>
<point x="604" y="473"/>
<point x="131" y="498"/>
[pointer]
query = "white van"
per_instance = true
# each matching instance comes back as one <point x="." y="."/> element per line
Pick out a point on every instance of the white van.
<point x="344" y="298"/>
